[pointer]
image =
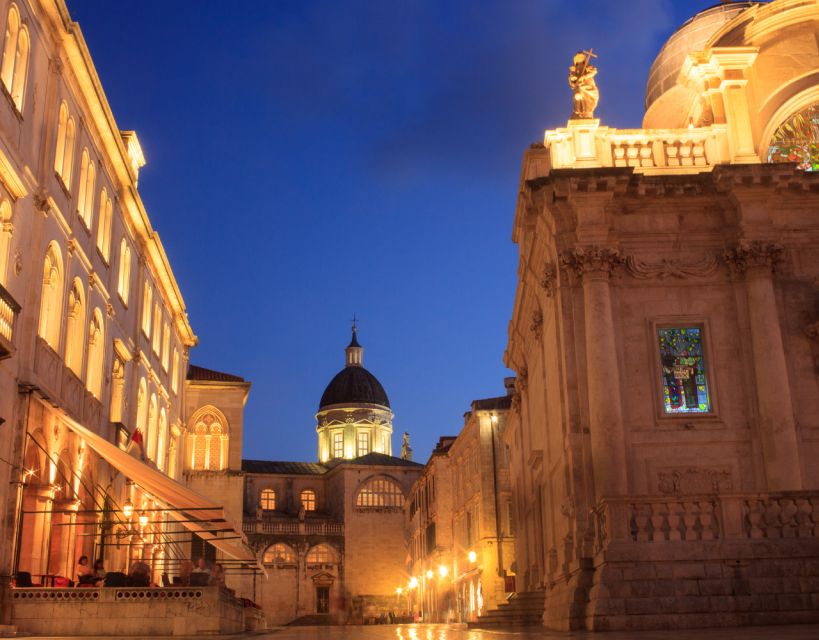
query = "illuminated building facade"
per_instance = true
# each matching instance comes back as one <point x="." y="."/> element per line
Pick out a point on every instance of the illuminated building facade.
<point x="664" y="336"/>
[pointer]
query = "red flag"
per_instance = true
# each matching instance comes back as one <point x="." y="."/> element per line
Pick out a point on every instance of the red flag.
<point x="136" y="441"/>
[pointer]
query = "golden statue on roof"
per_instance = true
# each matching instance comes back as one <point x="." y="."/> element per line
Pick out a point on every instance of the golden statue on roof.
<point x="581" y="80"/>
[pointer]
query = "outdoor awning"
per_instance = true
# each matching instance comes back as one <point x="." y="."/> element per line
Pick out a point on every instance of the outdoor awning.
<point x="193" y="511"/>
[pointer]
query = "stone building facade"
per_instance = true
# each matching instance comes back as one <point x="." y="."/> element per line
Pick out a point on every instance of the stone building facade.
<point x="664" y="339"/>
<point x="460" y="523"/>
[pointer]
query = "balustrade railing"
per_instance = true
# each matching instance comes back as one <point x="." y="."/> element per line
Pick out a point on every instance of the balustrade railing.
<point x="292" y="527"/>
<point x="9" y="309"/>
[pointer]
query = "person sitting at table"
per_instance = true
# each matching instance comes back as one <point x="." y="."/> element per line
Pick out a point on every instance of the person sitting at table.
<point x="217" y="576"/>
<point x="82" y="570"/>
<point x="139" y="575"/>
<point x="200" y="574"/>
<point x="185" y="570"/>
<point x="99" y="573"/>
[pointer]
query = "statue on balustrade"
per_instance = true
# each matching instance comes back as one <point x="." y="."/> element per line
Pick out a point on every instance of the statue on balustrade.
<point x="581" y="80"/>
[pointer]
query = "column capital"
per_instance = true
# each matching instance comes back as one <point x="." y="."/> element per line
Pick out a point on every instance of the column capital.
<point x="753" y="257"/>
<point x="592" y="262"/>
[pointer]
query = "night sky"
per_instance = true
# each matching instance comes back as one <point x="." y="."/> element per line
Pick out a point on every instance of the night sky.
<point x="312" y="160"/>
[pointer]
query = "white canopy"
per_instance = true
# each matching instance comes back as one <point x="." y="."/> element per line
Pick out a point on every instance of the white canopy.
<point x="193" y="511"/>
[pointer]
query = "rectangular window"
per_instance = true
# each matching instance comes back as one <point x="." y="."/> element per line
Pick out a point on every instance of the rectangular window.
<point x="363" y="443"/>
<point x="384" y="446"/>
<point x="685" y="388"/>
<point x="338" y="445"/>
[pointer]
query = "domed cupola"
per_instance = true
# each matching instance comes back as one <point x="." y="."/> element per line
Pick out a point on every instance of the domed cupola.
<point x="354" y="416"/>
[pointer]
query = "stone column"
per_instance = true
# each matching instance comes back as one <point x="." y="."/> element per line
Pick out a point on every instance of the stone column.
<point x="776" y="424"/>
<point x="41" y="529"/>
<point x="593" y="267"/>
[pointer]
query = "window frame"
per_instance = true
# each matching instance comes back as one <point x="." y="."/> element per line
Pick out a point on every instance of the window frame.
<point x="264" y="496"/>
<point x="312" y="500"/>
<point x="358" y="439"/>
<point x="672" y="420"/>
<point x="335" y="441"/>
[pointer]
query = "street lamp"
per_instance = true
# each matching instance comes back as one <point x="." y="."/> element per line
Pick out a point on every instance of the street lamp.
<point x="128" y="509"/>
<point x="473" y="557"/>
<point x="443" y="571"/>
<point x="143" y="519"/>
<point x="429" y="574"/>
<point x="413" y="583"/>
<point x="398" y="591"/>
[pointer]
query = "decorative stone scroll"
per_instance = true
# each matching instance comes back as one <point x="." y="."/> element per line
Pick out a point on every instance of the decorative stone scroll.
<point x="536" y="326"/>
<point x="694" y="480"/>
<point x="671" y="268"/>
<point x="593" y="260"/>
<point x="548" y="281"/>
<point x="748" y="255"/>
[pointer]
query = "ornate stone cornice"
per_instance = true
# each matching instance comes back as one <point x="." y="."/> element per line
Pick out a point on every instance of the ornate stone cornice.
<point x="753" y="255"/>
<point x="665" y="268"/>
<point x="591" y="261"/>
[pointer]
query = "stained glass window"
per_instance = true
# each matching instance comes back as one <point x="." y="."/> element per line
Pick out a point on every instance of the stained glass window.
<point x="685" y="388"/>
<point x="797" y="140"/>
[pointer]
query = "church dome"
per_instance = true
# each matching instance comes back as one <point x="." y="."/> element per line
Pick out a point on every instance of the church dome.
<point x="354" y="384"/>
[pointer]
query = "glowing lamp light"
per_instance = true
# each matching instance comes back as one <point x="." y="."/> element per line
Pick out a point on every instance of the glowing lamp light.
<point x="443" y="571"/>
<point x="413" y="583"/>
<point x="429" y="574"/>
<point x="128" y="509"/>
<point x="143" y="519"/>
<point x="494" y="419"/>
<point x="399" y="591"/>
<point x="473" y="557"/>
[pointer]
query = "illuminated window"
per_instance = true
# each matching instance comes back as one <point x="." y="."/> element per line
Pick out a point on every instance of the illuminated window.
<point x="161" y="439"/>
<point x="385" y="446"/>
<point x="124" y="280"/>
<point x="142" y="407"/>
<point x="380" y="493"/>
<point x="64" y="154"/>
<point x="157" y="327"/>
<point x="338" y="445"/>
<point x="685" y="388"/>
<point x="208" y="439"/>
<point x="117" y="389"/>
<point x="15" y="58"/>
<point x="267" y="499"/>
<point x="166" y="346"/>
<point x="75" y="328"/>
<point x="93" y="378"/>
<point x="797" y="140"/>
<point x="85" y="192"/>
<point x="175" y="371"/>
<point x="321" y="554"/>
<point x="147" y="298"/>
<point x="308" y="500"/>
<point x="279" y="554"/>
<point x="104" y="228"/>
<point x="363" y="443"/>
<point x="153" y="418"/>
<point x="51" y="297"/>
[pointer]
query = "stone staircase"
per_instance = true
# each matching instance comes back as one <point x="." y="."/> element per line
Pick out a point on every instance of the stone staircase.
<point x="523" y="609"/>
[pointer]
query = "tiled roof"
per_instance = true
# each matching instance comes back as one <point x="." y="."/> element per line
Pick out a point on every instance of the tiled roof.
<point x="210" y="375"/>
<point x="492" y="404"/>
<point x="283" y="467"/>
<point x="376" y="459"/>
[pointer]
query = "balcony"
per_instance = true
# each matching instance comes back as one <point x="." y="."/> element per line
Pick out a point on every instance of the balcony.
<point x="292" y="527"/>
<point x="9" y="309"/>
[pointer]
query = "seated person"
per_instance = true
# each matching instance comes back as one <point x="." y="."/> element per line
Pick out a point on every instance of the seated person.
<point x="140" y="575"/>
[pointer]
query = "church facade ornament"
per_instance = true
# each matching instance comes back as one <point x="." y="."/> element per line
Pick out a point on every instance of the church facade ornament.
<point x="591" y="261"/>
<point x="548" y="280"/>
<point x="583" y="86"/>
<point x="666" y="268"/>
<point x="536" y="325"/>
<point x="745" y="256"/>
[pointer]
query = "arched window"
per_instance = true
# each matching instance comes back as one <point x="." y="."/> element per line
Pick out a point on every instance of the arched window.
<point x="157" y="327"/>
<point x="96" y="342"/>
<point x="380" y="493"/>
<point x="142" y="407"/>
<point x="51" y="297"/>
<point x="104" y="228"/>
<point x="124" y="281"/>
<point x="797" y="140"/>
<point x="267" y="499"/>
<point x="75" y="328"/>
<point x="59" y="152"/>
<point x="279" y="553"/>
<point x="308" y="500"/>
<point x="166" y="345"/>
<point x="175" y="371"/>
<point x="208" y="439"/>
<point x="161" y="438"/>
<point x="153" y="417"/>
<point x="6" y="229"/>
<point x="67" y="159"/>
<point x="147" y="298"/>
<point x="15" y="58"/>
<point x="85" y="192"/>
<point x="321" y="554"/>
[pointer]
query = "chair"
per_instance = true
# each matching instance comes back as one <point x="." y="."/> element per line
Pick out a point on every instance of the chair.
<point x="165" y="581"/>
<point x="23" y="579"/>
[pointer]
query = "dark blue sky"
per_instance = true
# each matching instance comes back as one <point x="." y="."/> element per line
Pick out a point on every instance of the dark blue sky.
<point x="311" y="160"/>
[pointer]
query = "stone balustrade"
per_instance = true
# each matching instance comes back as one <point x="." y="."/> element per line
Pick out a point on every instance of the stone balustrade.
<point x="292" y="527"/>
<point x="583" y="143"/>
<point x="144" y="612"/>
<point x="707" y="517"/>
<point x="9" y="309"/>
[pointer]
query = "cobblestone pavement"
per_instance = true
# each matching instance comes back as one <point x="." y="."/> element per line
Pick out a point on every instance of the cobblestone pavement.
<point x="460" y="632"/>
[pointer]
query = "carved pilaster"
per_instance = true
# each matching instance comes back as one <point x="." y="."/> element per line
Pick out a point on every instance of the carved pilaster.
<point x="536" y="325"/>
<point x="755" y="256"/>
<point x="40" y="199"/>
<point x="591" y="262"/>
<point x="548" y="281"/>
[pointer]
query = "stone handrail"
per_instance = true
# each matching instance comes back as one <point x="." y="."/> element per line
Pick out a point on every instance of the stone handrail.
<point x="292" y="527"/>
<point x="707" y="517"/>
<point x="583" y="143"/>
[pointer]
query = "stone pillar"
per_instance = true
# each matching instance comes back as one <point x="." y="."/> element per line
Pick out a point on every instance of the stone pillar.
<point x="41" y="528"/>
<point x="776" y="425"/>
<point x="593" y="267"/>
